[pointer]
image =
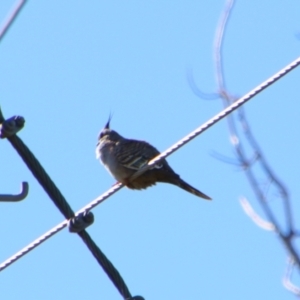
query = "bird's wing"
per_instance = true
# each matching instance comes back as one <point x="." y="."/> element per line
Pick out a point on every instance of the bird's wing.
<point x="134" y="154"/>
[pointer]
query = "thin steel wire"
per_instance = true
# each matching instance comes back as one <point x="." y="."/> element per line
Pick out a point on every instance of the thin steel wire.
<point x="54" y="230"/>
<point x="33" y="245"/>
<point x="221" y="115"/>
<point x="11" y="18"/>
<point x="154" y="161"/>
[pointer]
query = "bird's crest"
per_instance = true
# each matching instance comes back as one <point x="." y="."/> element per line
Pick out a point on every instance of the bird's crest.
<point x="109" y="119"/>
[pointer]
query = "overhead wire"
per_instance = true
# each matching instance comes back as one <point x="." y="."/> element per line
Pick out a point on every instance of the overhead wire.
<point x="61" y="202"/>
<point x="154" y="161"/>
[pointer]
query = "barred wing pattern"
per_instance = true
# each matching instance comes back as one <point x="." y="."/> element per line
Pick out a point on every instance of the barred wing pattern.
<point x="134" y="154"/>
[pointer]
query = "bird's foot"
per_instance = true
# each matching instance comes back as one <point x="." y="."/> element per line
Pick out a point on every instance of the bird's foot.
<point x="116" y="183"/>
<point x="125" y="181"/>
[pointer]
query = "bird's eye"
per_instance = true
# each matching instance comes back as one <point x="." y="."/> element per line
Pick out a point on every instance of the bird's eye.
<point x="102" y="134"/>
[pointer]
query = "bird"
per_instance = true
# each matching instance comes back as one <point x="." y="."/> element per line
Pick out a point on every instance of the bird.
<point x="123" y="157"/>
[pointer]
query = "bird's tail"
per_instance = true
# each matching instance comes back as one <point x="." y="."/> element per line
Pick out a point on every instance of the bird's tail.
<point x="184" y="185"/>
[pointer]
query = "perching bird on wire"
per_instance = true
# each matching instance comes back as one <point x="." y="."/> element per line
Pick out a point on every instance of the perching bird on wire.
<point x="123" y="157"/>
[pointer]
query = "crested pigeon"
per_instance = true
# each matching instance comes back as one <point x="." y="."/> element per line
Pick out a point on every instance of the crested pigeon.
<point x="123" y="157"/>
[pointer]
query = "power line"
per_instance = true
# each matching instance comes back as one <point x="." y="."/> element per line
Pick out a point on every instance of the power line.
<point x="163" y="155"/>
<point x="61" y="203"/>
<point x="11" y="18"/>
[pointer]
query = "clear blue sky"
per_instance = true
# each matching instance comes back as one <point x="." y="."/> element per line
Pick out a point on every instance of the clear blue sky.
<point x="65" y="66"/>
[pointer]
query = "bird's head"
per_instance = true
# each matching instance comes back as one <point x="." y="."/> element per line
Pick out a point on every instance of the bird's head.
<point x="108" y="134"/>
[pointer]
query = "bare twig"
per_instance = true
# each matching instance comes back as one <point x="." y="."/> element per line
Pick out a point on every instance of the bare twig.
<point x="196" y="90"/>
<point x="254" y="216"/>
<point x="218" y="45"/>
<point x="288" y="232"/>
<point x="288" y="276"/>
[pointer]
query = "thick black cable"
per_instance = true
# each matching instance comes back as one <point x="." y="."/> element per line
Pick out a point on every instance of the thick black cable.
<point x="59" y="200"/>
<point x="42" y="177"/>
<point x="107" y="266"/>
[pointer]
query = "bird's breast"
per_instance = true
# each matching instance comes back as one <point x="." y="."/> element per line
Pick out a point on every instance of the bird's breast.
<point x="105" y="153"/>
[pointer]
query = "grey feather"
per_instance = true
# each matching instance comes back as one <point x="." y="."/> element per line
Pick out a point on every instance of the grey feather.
<point x="123" y="157"/>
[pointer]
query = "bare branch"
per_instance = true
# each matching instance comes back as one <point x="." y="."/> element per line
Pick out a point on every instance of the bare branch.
<point x="267" y="169"/>
<point x="287" y="231"/>
<point x="218" y="44"/>
<point x="287" y="278"/>
<point x="254" y="216"/>
<point x="196" y="90"/>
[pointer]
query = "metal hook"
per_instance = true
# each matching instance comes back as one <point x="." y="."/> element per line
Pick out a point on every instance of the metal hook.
<point x="14" y="198"/>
